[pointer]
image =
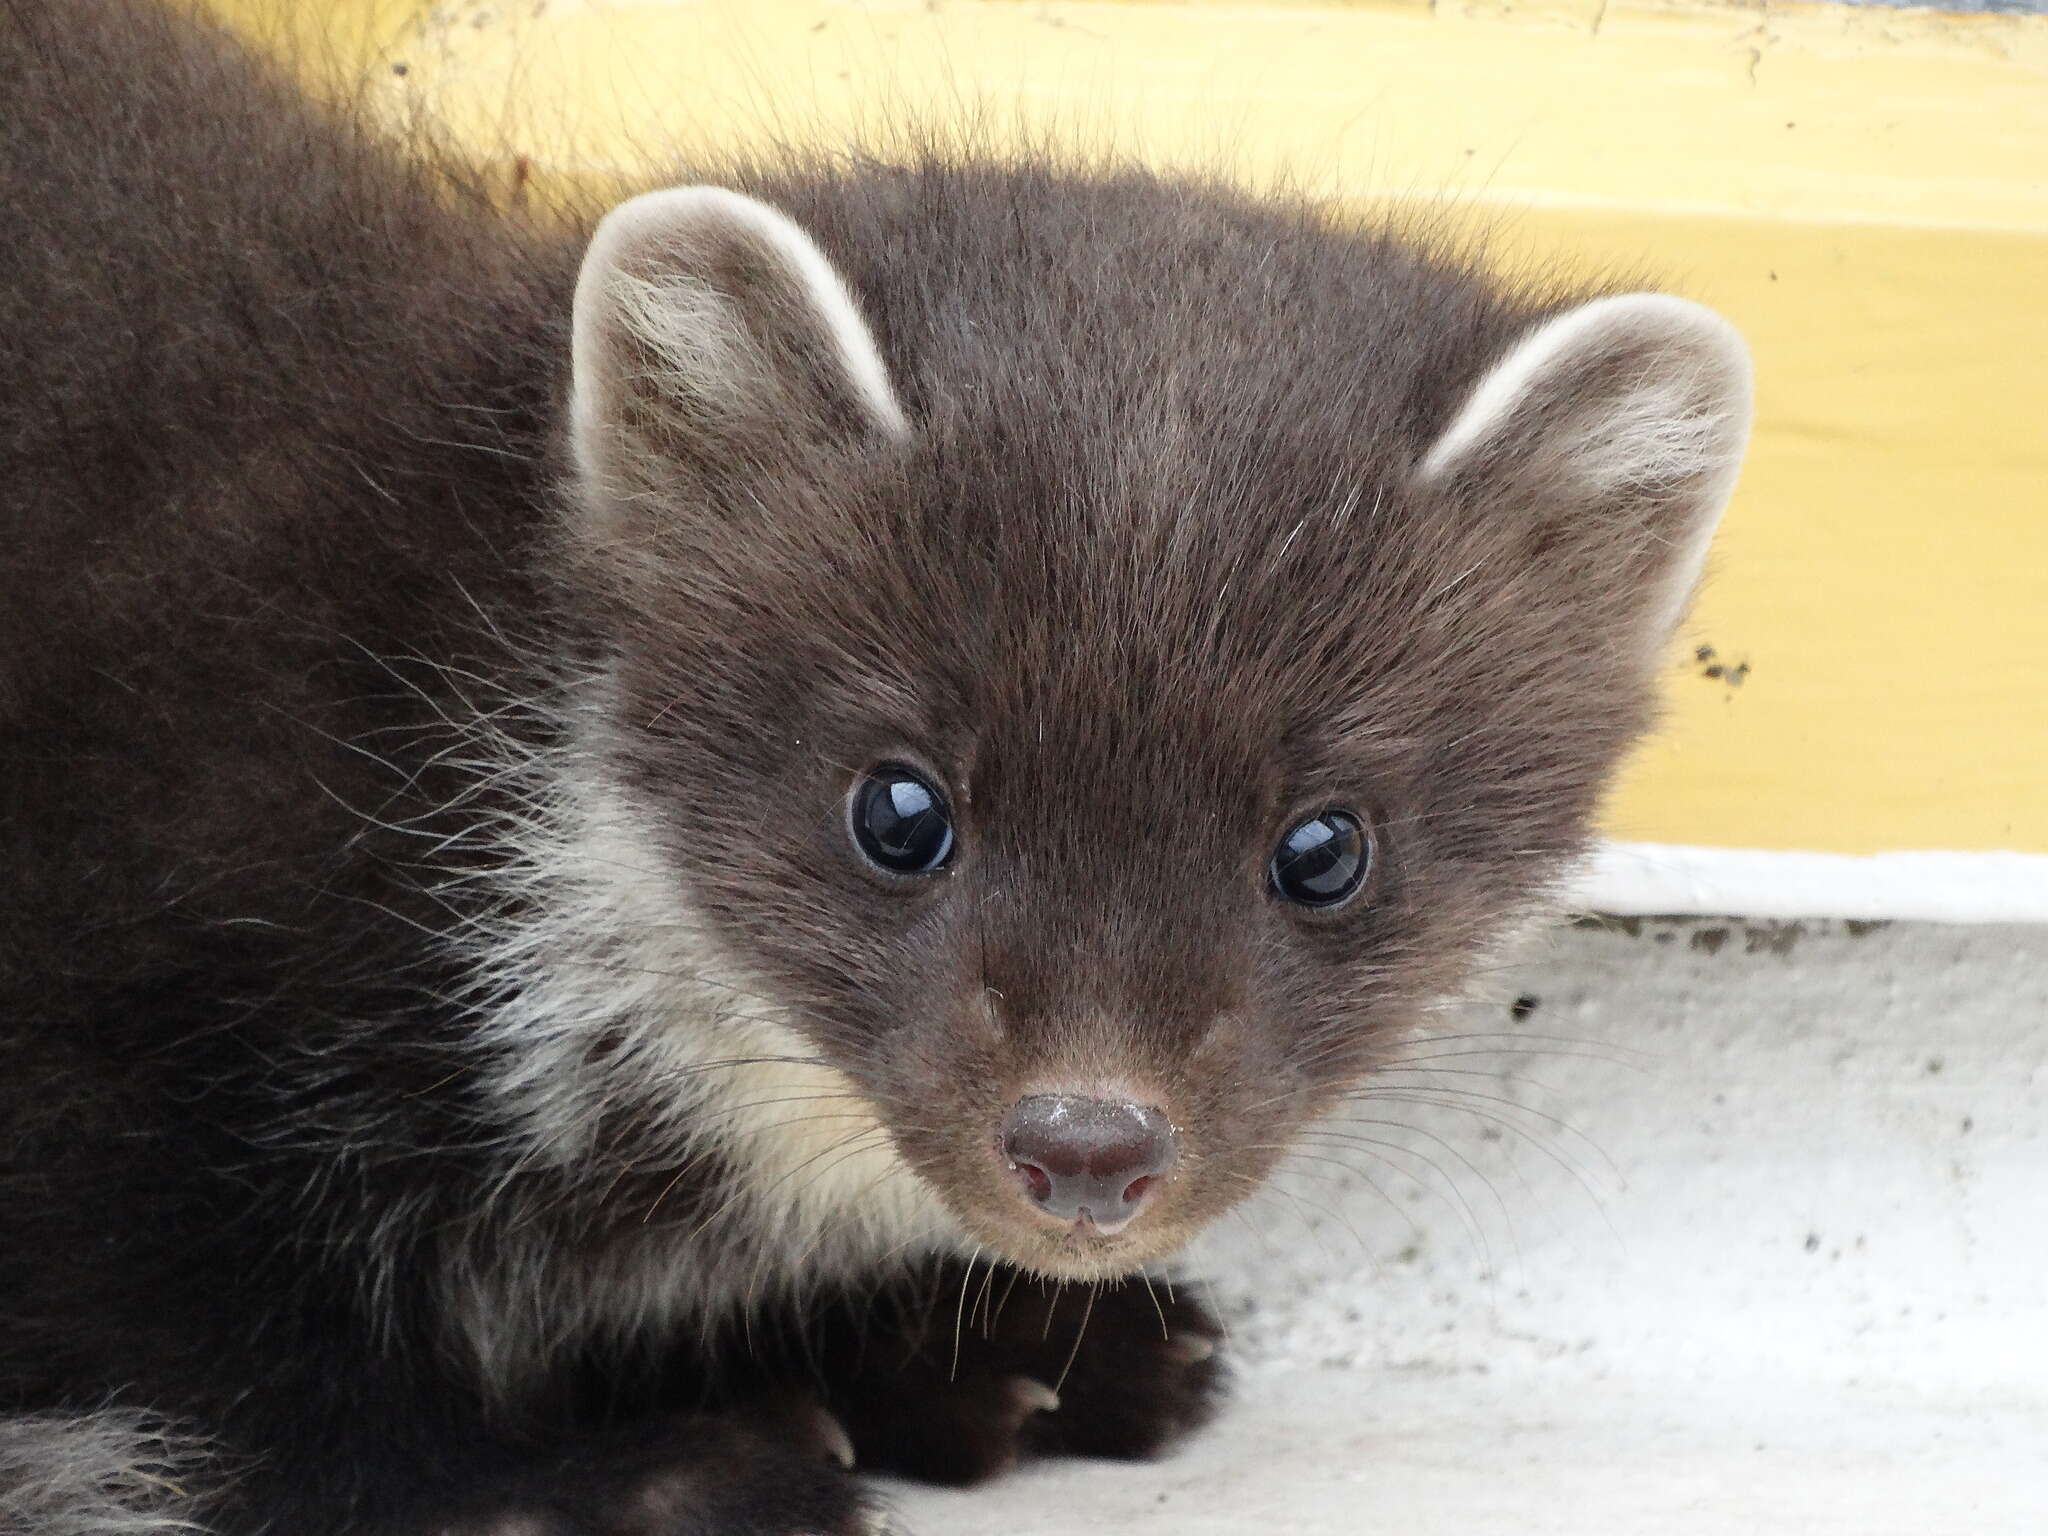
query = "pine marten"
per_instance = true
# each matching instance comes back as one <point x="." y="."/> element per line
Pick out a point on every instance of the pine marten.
<point x="649" y="852"/>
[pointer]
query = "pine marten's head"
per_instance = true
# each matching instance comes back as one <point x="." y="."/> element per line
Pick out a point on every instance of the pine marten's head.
<point x="1101" y="656"/>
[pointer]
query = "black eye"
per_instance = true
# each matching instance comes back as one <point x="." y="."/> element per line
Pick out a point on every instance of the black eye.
<point x="901" y="822"/>
<point x="1322" y="861"/>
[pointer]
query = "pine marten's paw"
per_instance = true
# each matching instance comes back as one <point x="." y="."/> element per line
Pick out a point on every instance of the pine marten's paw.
<point x="1146" y="1373"/>
<point x="1035" y="1371"/>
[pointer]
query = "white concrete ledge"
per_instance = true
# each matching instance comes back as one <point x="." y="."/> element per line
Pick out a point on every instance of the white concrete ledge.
<point x="1645" y="879"/>
<point x="1719" y="1229"/>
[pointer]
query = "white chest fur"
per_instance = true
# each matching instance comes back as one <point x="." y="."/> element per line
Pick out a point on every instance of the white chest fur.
<point x="602" y="993"/>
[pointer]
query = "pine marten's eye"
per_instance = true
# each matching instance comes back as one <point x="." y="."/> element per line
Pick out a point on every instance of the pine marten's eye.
<point x="901" y="822"/>
<point x="1323" y="861"/>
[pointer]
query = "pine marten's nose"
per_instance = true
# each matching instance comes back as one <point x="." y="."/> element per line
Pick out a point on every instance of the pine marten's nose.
<point x="1079" y="1158"/>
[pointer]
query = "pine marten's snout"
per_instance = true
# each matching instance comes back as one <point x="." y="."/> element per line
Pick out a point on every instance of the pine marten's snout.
<point x="1089" y="1163"/>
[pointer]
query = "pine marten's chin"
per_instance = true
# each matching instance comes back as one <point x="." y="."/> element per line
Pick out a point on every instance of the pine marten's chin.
<point x="1080" y="1255"/>
<point x="1078" y="1250"/>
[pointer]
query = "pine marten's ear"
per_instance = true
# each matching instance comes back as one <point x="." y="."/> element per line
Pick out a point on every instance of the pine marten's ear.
<point x="709" y="326"/>
<point x="1613" y="432"/>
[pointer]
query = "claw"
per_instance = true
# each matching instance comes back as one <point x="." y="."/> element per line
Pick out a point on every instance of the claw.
<point x="832" y="1436"/>
<point x="807" y="1424"/>
<point x="1033" y="1395"/>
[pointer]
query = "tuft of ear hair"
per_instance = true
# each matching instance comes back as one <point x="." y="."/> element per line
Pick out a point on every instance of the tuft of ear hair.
<point x="707" y="323"/>
<point x="1626" y="418"/>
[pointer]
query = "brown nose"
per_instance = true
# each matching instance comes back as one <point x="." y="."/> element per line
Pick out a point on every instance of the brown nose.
<point x="1079" y="1157"/>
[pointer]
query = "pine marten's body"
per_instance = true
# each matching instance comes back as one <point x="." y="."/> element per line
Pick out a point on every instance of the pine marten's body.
<point x="610" y="829"/>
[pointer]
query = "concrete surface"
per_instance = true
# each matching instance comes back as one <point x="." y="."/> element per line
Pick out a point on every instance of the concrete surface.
<point x="1739" y="1228"/>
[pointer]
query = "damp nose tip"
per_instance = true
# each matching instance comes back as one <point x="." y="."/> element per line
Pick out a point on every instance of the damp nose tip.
<point x="1079" y="1158"/>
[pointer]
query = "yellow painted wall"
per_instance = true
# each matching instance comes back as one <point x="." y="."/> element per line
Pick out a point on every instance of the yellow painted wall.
<point x="1864" y="192"/>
